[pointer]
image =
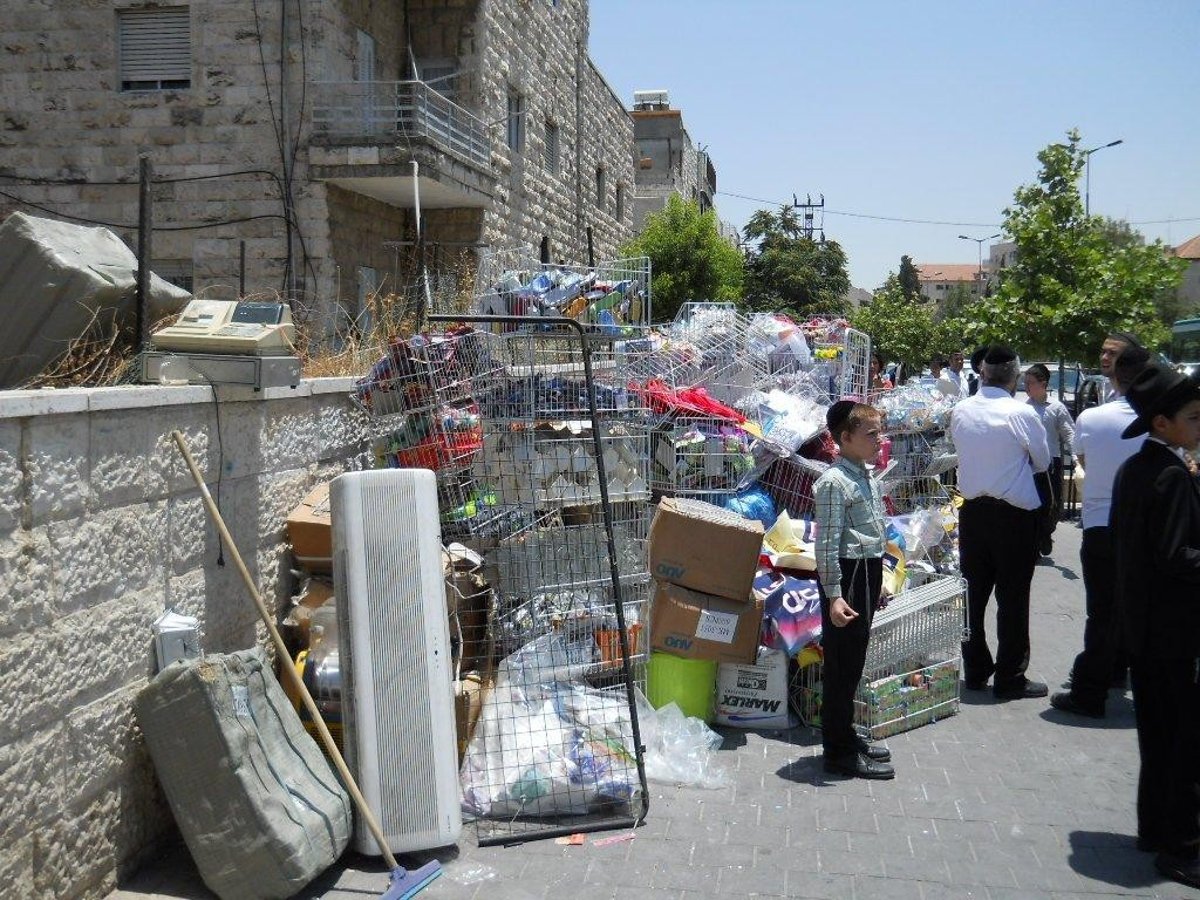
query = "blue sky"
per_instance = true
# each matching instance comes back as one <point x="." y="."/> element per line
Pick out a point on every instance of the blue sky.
<point x="922" y="110"/>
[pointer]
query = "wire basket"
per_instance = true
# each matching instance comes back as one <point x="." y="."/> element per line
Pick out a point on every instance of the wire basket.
<point x="911" y="676"/>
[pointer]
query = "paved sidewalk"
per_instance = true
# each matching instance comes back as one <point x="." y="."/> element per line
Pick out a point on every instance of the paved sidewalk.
<point x="1003" y="801"/>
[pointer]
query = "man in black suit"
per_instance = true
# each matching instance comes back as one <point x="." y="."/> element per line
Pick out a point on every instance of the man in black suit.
<point x="1155" y="524"/>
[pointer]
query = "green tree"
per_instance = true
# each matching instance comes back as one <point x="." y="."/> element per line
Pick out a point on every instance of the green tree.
<point x="689" y="260"/>
<point x="790" y="272"/>
<point x="956" y="304"/>
<point x="1075" y="277"/>
<point x="901" y="330"/>
<point x="910" y="279"/>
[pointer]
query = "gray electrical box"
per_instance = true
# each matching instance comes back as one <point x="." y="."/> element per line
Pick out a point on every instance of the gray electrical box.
<point x="257" y="372"/>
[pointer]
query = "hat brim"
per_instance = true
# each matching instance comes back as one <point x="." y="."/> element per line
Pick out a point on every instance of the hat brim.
<point x="1176" y="396"/>
<point x="1136" y="428"/>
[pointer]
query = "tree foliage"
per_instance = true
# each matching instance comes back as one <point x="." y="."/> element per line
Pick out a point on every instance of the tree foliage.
<point x="907" y="332"/>
<point x="910" y="279"/>
<point x="789" y="271"/>
<point x="1075" y="277"/>
<point x="688" y="257"/>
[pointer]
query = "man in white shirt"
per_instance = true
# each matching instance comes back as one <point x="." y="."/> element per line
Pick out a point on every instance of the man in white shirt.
<point x="1001" y="444"/>
<point x="1101" y="450"/>
<point x="955" y="374"/>
<point x="1109" y="351"/>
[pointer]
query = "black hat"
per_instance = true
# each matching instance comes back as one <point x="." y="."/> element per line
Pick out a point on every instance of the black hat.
<point x="1156" y="391"/>
<point x="977" y="357"/>
<point x="837" y="414"/>
<point x="998" y="355"/>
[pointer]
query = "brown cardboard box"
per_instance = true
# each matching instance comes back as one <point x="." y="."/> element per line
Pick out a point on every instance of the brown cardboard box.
<point x="469" y="694"/>
<point x="705" y="548"/>
<point x="701" y="626"/>
<point x="311" y="532"/>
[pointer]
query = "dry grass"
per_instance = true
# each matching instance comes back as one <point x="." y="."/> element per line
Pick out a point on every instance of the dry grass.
<point x="105" y="352"/>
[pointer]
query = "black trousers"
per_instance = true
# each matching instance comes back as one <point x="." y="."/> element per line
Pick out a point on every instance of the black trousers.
<point x="845" y="653"/>
<point x="1101" y="658"/>
<point x="1166" y="700"/>
<point x="997" y="545"/>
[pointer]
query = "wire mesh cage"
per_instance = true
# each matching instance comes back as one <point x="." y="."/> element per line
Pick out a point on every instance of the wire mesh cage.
<point x="911" y="675"/>
<point x="702" y="457"/>
<point x="559" y="487"/>
<point x="512" y="281"/>
<point x="919" y="463"/>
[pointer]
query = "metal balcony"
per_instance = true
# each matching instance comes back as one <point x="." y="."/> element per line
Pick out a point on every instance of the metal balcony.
<point x="396" y="112"/>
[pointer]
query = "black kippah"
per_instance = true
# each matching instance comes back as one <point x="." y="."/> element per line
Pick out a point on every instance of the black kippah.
<point x="998" y="355"/>
<point x="837" y="414"/>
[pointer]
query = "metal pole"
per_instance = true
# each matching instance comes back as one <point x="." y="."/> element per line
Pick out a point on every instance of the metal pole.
<point x="144" y="252"/>
<point x="242" y="270"/>
<point x="1087" y="185"/>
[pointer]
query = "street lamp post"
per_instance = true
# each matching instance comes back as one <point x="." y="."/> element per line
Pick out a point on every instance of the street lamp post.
<point x="1087" y="176"/>
<point x="979" y="243"/>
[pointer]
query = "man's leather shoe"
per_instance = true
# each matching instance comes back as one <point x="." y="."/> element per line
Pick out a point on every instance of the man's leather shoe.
<point x="874" y="752"/>
<point x="1065" y="702"/>
<point x="976" y="684"/>
<point x="1185" y="871"/>
<point x="858" y="766"/>
<point x="1028" y="691"/>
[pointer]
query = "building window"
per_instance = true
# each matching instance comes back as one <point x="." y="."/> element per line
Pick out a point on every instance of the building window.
<point x="620" y="202"/>
<point x="600" y="188"/>
<point x="516" y="121"/>
<point x="154" y="49"/>
<point x="441" y="75"/>
<point x="551" y="147"/>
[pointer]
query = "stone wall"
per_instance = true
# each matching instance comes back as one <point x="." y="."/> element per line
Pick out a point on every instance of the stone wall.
<point x="65" y="117"/>
<point x="101" y="530"/>
<point x="540" y="50"/>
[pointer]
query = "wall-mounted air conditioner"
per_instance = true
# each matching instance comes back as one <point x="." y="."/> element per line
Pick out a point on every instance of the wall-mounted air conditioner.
<point x="394" y="641"/>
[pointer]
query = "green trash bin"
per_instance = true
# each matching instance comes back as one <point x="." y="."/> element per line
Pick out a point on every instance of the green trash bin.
<point x="690" y="683"/>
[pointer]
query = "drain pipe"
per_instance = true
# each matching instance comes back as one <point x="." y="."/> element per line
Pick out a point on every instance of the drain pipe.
<point x="428" y="307"/>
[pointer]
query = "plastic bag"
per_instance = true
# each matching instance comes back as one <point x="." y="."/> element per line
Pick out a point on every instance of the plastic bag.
<point x="545" y="746"/>
<point x="679" y="749"/>
<point x="753" y="503"/>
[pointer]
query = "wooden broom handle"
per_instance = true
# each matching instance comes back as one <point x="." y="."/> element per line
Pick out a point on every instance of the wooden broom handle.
<point x="289" y="670"/>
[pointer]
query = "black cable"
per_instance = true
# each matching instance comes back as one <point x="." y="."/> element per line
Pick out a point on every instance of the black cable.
<point x="83" y="181"/>
<point x="133" y="227"/>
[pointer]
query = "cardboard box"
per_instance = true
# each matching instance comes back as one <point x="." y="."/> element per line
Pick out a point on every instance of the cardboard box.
<point x="469" y="694"/>
<point x="311" y="531"/>
<point x="705" y="548"/>
<point x="754" y="696"/>
<point x="701" y="626"/>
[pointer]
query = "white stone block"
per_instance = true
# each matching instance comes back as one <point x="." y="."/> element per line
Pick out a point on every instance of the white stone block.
<point x="109" y="554"/>
<point x="33" y="782"/>
<point x="26" y="581"/>
<point x="12" y="477"/>
<point x="57" y="466"/>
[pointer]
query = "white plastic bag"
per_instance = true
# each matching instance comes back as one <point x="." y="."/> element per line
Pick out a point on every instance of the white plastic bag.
<point x="679" y="749"/>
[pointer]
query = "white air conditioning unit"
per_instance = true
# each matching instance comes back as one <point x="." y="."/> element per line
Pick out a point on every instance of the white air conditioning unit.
<point x="394" y="641"/>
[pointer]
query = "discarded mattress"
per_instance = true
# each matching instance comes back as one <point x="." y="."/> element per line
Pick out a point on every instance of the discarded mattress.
<point x="54" y="276"/>
<point x="258" y="805"/>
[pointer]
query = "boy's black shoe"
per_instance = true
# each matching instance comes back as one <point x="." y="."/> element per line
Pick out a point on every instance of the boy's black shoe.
<point x="1185" y="871"/>
<point x="1028" y="691"/>
<point x="873" y="752"/>
<point x="1065" y="701"/>
<point x="856" y="765"/>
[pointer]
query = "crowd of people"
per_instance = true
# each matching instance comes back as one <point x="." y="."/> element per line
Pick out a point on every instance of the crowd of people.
<point x="1140" y="556"/>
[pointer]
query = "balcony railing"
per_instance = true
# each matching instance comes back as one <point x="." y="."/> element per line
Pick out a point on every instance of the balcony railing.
<point x="398" y="111"/>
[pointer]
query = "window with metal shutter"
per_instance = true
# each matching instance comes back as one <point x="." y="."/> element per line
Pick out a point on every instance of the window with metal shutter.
<point x="155" y="48"/>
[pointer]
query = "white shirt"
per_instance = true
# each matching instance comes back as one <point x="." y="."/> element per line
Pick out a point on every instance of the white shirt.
<point x="1098" y="440"/>
<point x="964" y="389"/>
<point x="1000" y="443"/>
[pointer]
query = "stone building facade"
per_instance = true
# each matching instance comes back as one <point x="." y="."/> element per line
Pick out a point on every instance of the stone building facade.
<point x="668" y="161"/>
<point x="307" y="153"/>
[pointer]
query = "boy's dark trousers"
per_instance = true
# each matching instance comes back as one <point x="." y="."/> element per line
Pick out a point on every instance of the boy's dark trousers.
<point x="845" y="653"/>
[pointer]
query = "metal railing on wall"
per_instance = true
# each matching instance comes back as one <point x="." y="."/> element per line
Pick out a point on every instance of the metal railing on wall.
<point x="398" y="109"/>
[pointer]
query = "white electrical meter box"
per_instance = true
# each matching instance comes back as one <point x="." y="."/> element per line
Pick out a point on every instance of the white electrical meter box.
<point x="230" y="327"/>
<point x="175" y="637"/>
